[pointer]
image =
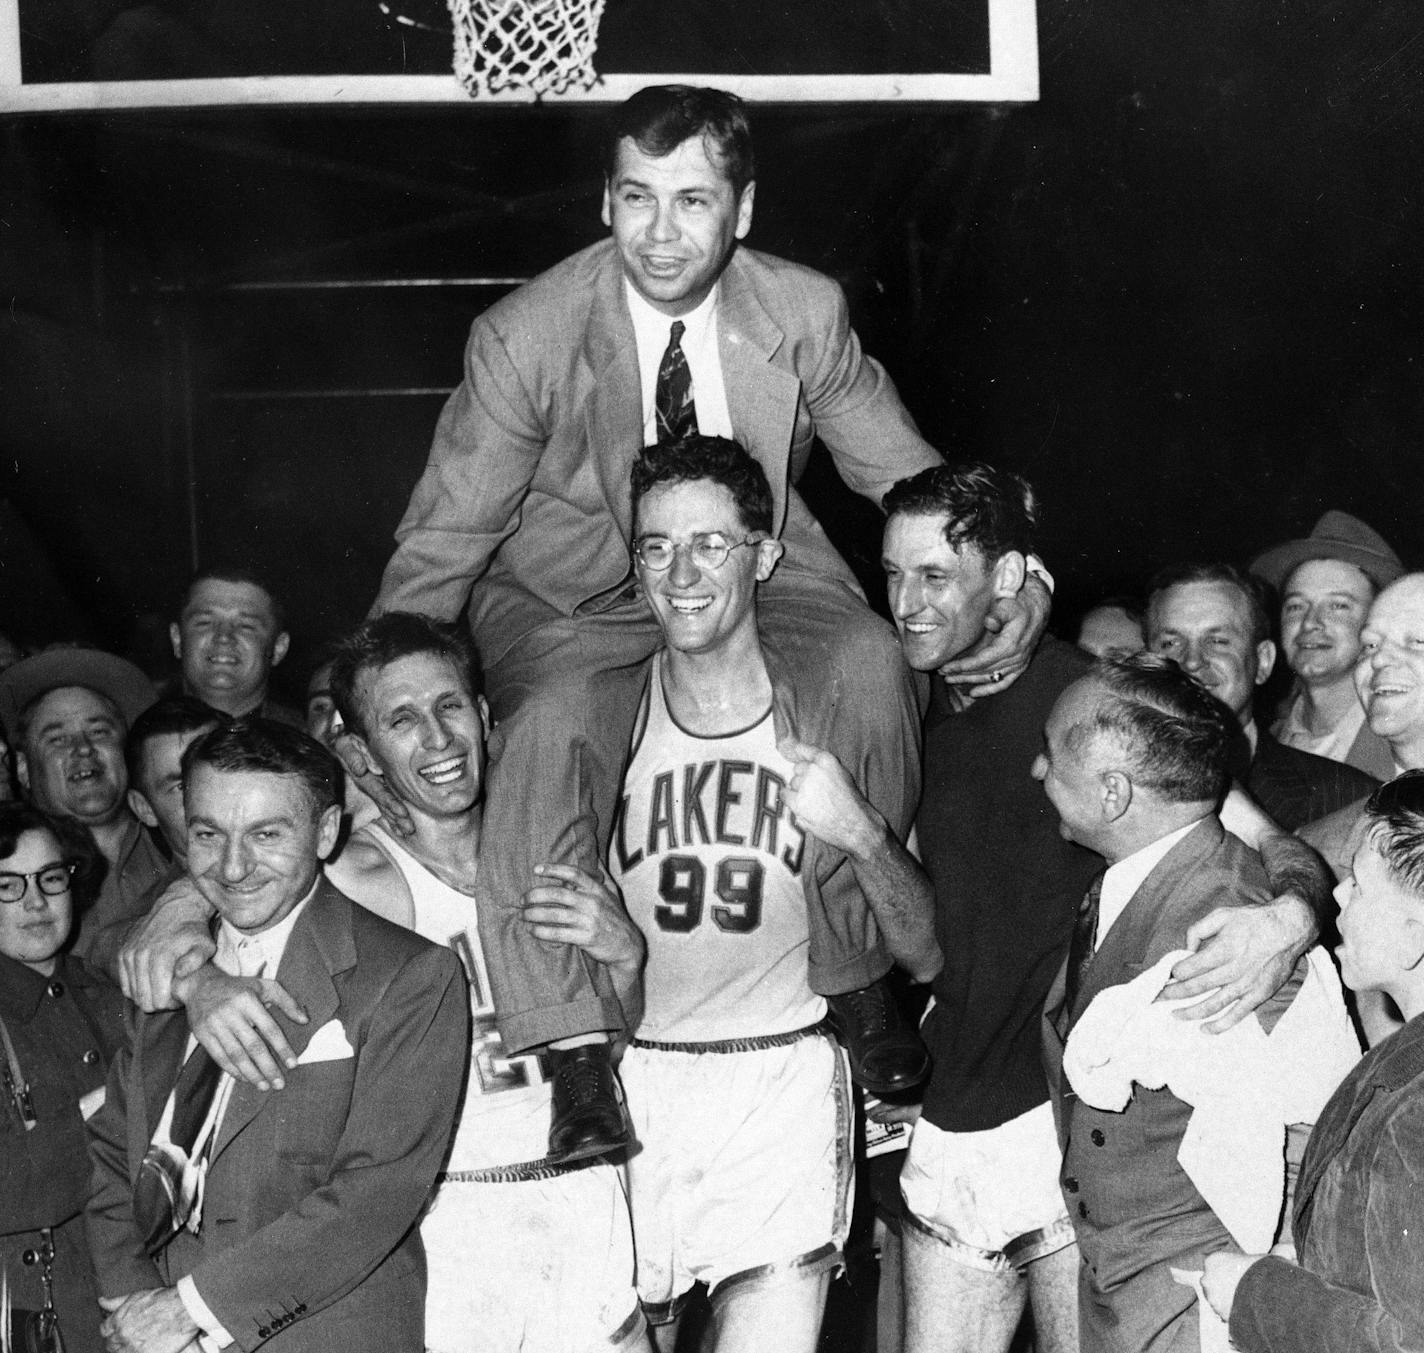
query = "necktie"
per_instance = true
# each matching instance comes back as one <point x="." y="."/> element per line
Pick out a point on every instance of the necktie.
<point x="1080" y="951"/>
<point x="677" y="415"/>
<point x="169" y="1180"/>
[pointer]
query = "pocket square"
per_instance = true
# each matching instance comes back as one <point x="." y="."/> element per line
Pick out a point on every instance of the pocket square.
<point x="328" y="1044"/>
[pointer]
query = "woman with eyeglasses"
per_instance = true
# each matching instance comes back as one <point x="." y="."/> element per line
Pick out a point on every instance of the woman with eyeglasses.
<point x="60" y="1025"/>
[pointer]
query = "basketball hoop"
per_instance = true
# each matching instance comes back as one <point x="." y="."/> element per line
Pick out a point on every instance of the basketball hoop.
<point x="540" y="45"/>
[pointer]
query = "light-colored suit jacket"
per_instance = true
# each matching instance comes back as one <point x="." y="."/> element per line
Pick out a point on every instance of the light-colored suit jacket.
<point x="308" y="1236"/>
<point x="1135" y="1210"/>
<point x="527" y="486"/>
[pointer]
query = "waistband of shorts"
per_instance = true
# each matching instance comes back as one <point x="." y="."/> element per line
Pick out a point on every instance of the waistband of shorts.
<point x="754" y="1044"/>
<point x="1019" y="1253"/>
<point x="543" y="1168"/>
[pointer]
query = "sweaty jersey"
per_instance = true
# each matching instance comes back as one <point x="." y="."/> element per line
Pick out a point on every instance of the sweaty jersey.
<point x="709" y="859"/>
<point x="504" y="1119"/>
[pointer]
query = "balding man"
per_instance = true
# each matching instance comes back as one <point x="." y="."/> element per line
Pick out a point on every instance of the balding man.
<point x="1135" y="759"/>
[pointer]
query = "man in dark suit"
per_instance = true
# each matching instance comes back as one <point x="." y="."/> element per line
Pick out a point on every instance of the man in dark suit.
<point x="1134" y="762"/>
<point x="295" y="1213"/>
<point x="523" y="518"/>
<point x="1213" y="620"/>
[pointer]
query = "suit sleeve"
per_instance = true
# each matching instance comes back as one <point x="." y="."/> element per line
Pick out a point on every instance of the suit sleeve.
<point x="408" y="1080"/>
<point x="486" y="449"/>
<point x="858" y="414"/>
<point x="1281" y="1307"/>
<point x="120" y="1261"/>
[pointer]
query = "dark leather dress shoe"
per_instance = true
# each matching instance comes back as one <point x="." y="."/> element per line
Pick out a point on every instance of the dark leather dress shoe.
<point x="588" y="1114"/>
<point x="886" y="1054"/>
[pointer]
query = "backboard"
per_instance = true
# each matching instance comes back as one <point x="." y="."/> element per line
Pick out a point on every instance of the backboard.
<point x="101" y="55"/>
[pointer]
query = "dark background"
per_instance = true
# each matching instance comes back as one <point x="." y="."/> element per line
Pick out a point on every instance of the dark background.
<point x="1182" y="293"/>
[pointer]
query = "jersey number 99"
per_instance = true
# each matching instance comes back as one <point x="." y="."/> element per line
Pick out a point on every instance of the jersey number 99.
<point x="682" y="885"/>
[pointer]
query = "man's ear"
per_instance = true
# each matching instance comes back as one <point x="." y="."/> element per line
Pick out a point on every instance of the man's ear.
<point x="328" y="829"/>
<point x="607" y="203"/>
<point x="486" y="719"/>
<point x="365" y="750"/>
<point x="1265" y="660"/>
<point x="769" y="552"/>
<point x="280" y="646"/>
<point x="1411" y="946"/>
<point x="139" y="807"/>
<point x="1115" y="794"/>
<point x="175" y="637"/>
<point x="22" y="770"/>
<point x="1010" y="574"/>
<point x="744" y="210"/>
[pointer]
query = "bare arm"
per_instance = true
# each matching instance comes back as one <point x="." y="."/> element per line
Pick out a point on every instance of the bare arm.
<point x="898" y="891"/>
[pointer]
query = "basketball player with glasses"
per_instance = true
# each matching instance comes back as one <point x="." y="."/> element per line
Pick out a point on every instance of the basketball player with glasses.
<point x="733" y="815"/>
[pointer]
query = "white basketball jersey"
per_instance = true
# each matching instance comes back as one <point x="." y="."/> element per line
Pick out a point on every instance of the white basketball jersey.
<point x="709" y="859"/>
<point x="504" y="1119"/>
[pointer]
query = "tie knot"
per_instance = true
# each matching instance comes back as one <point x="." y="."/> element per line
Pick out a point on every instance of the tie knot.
<point x="678" y="329"/>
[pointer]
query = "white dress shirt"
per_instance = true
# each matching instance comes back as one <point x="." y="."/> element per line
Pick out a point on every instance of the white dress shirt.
<point x="652" y="329"/>
<point x="1123" y="879"/>
<point x="1334" y="743"/>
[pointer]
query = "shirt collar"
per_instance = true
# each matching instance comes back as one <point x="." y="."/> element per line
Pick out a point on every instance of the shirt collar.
<point x="1253" y="738"/>
<point x="1123" y="879"/>
<point x="259" y="954"/>
<point x="652" y="327"/>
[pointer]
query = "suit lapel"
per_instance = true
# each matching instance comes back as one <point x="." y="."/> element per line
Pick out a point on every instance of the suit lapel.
<point x="163" y="1038"/>
<point x="761" y="398"/>
<point x="613" y="411"/>
<point x="320" y="946"/>
<point x="1128" y="947"/>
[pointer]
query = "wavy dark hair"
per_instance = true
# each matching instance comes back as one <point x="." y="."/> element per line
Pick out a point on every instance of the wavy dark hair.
<point x="272" y="748"/>
<point x="718" y="459"/>
<point x="661" y="117"/>
<point x="992" y="509"/>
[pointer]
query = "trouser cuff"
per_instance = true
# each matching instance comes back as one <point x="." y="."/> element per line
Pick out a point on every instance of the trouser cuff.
<point x="524" y="1029"/>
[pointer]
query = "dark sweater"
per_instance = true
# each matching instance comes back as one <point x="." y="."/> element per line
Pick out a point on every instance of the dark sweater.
<point x="1007" y="887"/>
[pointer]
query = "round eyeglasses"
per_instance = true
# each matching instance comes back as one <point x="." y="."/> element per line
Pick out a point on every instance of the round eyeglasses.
<point x="52" y="880"/>
<point x="708" y="551"/>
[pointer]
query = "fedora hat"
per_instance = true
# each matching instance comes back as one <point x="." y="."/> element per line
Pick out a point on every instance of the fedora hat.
<point x="1337" y="535"/>
<point x="110" y="675"/>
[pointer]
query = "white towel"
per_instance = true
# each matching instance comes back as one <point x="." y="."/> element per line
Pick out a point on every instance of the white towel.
<point x="1244" y="1085"/>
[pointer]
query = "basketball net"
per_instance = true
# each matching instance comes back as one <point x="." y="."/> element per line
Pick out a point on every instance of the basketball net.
<point x="540" y="45"/>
